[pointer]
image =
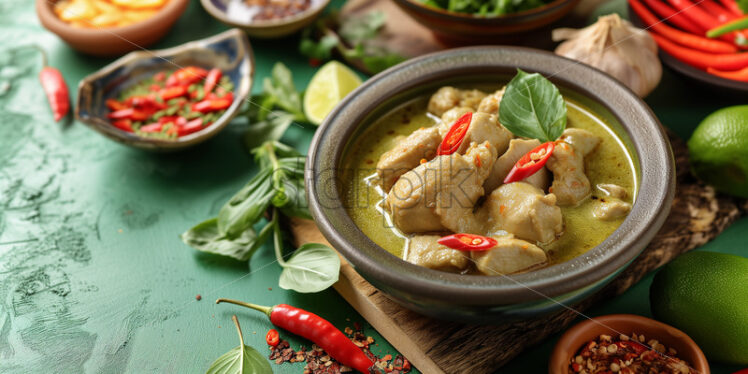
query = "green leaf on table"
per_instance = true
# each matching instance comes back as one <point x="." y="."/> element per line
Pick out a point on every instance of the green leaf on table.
<point x="271" y="129"/>
<point x="296" y="205"/>
<point x="240" y="360"/>
<point x="206" y="237"/>
<point x="312" y="268"/>
<point x="247" y="206"/>
<point x="280" y="86"/>
<point x="357" y="30"/>
<point x="320" y="50"/>
<point x="532" y="107"/>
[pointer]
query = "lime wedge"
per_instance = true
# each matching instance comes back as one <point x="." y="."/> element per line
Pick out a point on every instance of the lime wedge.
<point x="328" y="87"/>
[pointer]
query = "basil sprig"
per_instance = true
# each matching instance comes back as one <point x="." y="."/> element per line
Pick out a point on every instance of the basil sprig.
<point x="532" y="107"/>
<point x="240" y="360"/>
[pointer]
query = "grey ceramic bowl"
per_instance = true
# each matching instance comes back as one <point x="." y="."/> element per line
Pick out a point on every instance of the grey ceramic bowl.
<point x="229" y="51"/>
<point x="276" y="28"/>
<point x="475" y="298"/>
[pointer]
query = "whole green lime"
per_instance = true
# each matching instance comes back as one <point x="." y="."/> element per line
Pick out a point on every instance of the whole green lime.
<point x="705" y="294"/>
<point x="719" y="150"/>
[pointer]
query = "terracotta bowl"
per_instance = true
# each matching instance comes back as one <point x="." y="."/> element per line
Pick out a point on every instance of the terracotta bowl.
<point x="229" y="51"/>
<point x="113" y="41"/>
<point x="574" y="338"/>
<point x="465" y="29"/>
<point x="477" y="298"/>
<point x="220" y="9"/>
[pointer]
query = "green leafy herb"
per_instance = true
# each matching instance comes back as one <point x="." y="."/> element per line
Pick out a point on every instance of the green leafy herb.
<point x="206" y="237"/>
<point x="532" y="107"/>
<point x="352" y="39"/>
<point x="241" y="360"/>
<point x="281" y="91"/>
<point x="311" y="268"/>
<point x="485" y="8"/>
<point x="247" y="206"/>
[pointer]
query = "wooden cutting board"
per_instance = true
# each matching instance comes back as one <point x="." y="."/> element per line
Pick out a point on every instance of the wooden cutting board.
<point x="433" y="346"/>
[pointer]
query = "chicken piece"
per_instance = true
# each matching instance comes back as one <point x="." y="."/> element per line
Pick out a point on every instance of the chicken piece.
<point x="510" y="255"/>
<point x="517" y="148"/>
<point x="407" y="154"/>
<point x="490" y="103"/>
<point x="613" y="190"/>
<point x="608" y="209"/>
<point x="448" y="97"/>
<point x="441" y="192"/>
<point x="483" y="127"/>
<point x="449" y="117"/>
<point x="525" y="211"/>
<point x="570" y="184"/>
<point x="423" y="250"/>
<point x="582" y="140"/>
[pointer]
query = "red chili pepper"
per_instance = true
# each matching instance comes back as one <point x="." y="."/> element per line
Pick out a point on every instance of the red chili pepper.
<point x="719" y="13"/>
<point x="468" y="242"/>
<point x="173" y="92"/>
<point x="145" y="102"/>
<point x="694" y="13"/>
<point x="315" y="329"/>
<point x="187" y="128"/>
<point x="154" y="88"/>
<point x="738" y="75"/>
<point x="123" y="124"/>
<point x="56" y="90"/>
<point x="186" y="76"/>
<point x="744" y="371"/>
<point x="211" y="105"/>
<point x="665" y="12"/>
<point x="115" y="105"/>
<point x="153" y="127"/>
<point x="454" y="137"/>
<point x="272" y="337"/>
<point x="703" y="60"/>
<point x="214" y="75"/>
<point x="159" y="77"/>
<point x="129" y="113"/>
<point x="738" y="24"/>
<point x="680" y="37"/>
<point x="530" y="163"/>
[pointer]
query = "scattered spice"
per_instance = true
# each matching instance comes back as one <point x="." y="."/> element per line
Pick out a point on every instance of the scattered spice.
<point x="198" y="297"/>
<point x="172" y="104"/>
<point x="627" y="355"/>
<point x="319" y="362"/>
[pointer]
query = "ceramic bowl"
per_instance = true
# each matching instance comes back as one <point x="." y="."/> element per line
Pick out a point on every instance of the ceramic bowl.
<point x="713" y="82"/>
<point x="229" y="51"/>
<point x="113" y="41"/>
<point x="464" y="29"/>
<point x="573" y="340"/>
<point x="475" y="298"/>
<point x="222" y="10"/>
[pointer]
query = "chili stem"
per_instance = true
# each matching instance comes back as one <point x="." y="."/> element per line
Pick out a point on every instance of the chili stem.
<point x="738" y="24"/>
<point x="265" y="309"/>
<point x="238" y="329"/>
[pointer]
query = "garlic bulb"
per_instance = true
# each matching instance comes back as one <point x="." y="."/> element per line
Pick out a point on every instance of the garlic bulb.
<point x="616" y="47"/>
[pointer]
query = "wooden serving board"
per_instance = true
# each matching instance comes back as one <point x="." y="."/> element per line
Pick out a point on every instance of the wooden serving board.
<point x="433" y="346"/>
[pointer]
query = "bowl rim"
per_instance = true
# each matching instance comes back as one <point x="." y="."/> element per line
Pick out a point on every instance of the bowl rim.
<point x="241" y="93"/>
<point x="173" y="8"/>
<point x="380" y="267"/>
<point x="220" y="15"/>
<point x="567" y="345"/>
<point x="464" y="17"/>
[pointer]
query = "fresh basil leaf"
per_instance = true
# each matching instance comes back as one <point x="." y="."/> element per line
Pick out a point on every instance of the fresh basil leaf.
<point x="321" y="50"/>
<point x="532" y="107"/>
<point x="312" y="268"/>
<point x="356" y="30"/>
<point x="206" y="237"/>
<point x="240" y="360"/>
<point x="296" y="204"/>
<point x="247" y="206"/>
<point x="280" y="85"/>
<point x="271" y="129"/>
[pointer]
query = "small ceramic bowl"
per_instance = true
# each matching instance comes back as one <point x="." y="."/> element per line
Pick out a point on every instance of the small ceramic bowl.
<point x="113" y="41"/>
<point x="233" y="13"/>
<point x="229" y="51"/>
<point x="573" y="340"/>
<point x="465" y="29"/>
<point x="477" y="298"/>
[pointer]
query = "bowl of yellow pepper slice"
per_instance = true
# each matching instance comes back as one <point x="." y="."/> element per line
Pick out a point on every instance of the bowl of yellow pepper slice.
<point x="109" y="27"/>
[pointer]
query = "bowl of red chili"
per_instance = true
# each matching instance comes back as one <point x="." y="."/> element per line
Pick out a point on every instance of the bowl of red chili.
<point x="172" y="98"/>
<point x="626" y="343"/>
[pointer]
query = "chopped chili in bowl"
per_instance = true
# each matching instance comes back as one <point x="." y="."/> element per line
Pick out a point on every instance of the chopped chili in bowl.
<point x="627" y="355"/>
<point x="171" y="104"/>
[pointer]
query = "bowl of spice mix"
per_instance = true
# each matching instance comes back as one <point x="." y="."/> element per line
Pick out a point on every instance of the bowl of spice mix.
<point x="626" y="344"/>
<point x="169" y="99"/>
<point x="266" y="18"/>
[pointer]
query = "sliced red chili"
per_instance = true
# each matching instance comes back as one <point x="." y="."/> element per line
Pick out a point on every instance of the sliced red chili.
<point x="57" y="91"/>
<point x="210" y="82"/>
<point x="468" y="242"/>
<point x="455" y="135"/>
<point x="530" y="163"/>
<point x="272" y="337"/>
<point x="115" y="105"/>
<point x="189" y="127"/>
<point x="207" y="106"/>
<point x="129" y="113"/>
<point x="153" y="127"/>
<point x="123" y="124"/>
<point x="159" y="77"/>
<point x="173" y="92"/>
<point x="186" y="76"/>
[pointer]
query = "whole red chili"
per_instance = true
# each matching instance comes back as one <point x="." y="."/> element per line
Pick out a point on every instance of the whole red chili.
<point x="272" y="337"/>
<point x="468" y="242"/>
<point x="56" y="90"/>
<point x="530" y="163"/>
<point x="315" y="329"/>
<point x="214" y="75"/>
<point x="456" y="134"/>
<point x="703" y="60"/>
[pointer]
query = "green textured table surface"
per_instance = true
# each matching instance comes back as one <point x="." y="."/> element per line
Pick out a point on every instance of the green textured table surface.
<point x="93" y="277"/>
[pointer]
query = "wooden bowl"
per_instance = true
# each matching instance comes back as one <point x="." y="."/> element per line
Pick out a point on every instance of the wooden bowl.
<point x="229" y="51"/>
<point x="615" y="324"/>
<point x="465" y="29"/>
<point x="111" y="41"/>
<point x="264" y="29"/>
